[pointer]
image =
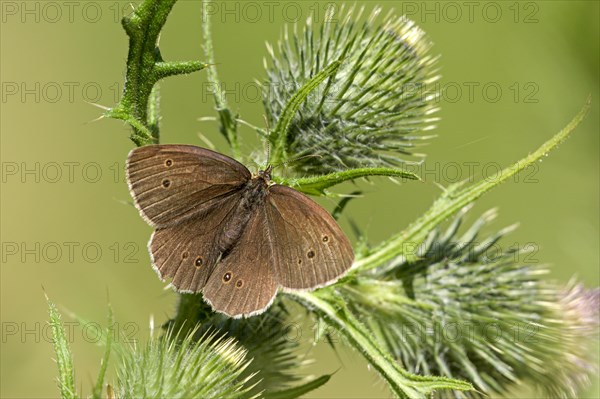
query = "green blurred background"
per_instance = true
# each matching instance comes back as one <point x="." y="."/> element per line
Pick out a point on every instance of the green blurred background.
<point x="66" y="227"/>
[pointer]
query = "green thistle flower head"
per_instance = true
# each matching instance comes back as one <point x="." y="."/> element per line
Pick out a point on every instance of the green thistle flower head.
<point x="373" y="110"/>
<point x="176" y="366"/>
<point x="470" y="310"/>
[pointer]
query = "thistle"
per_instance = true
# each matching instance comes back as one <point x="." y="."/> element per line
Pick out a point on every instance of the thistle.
<point x="177" y="366"/>
<point x="469" y="309"/>
<point x="275" y="364"/>
<point x="372" y="111"/>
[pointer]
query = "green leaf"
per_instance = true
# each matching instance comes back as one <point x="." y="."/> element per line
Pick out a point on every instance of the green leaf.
<point x="317" y="185"/>
<point x="66" y="375"/>
<point x="145" y="67"/>
<point x="403" y="384"/>
<point x="300" y="390"/>
<point x="339" y="208"/>
<point x="454" y="198"/>
<point x="97" y="392"/>
<point x="279" y="136"/>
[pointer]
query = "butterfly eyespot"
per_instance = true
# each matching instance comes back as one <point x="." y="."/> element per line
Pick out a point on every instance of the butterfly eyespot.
<point x="198" y="262"/>
<point x="325" y="238"/>
<point x="168" y="162"/>
<point x="184" y="255"/>
<point x="311" y="254"/>
<point x="239" y="283"/>
<point x="166" y="183"/>
<point x="227" y="277"/>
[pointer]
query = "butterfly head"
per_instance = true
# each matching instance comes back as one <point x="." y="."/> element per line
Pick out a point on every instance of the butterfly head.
<point x="266" y="174"/>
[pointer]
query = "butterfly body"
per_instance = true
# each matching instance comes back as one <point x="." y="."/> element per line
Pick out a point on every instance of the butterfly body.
<point x="253" y="195"/>
<point x="234" y="236"/>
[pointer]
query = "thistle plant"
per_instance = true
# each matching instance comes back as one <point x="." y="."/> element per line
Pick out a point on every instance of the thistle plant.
<point x="435" y="309"/>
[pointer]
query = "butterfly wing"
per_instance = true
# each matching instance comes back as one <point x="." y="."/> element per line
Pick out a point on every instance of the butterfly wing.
<point x="243" y="283"/>
<point x="170" y="183"/>
<point x="311" y="250"/>
<point x="187" y="252"/>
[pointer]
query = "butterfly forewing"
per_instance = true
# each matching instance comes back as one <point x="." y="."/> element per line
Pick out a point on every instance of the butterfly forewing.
<point x="243" y="282"/>
<point x="171" y="183"/>
<point x="310" y="249"/>
<point x="187" y="252"/>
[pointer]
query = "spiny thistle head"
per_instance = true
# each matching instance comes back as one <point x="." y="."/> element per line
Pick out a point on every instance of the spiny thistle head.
<point x="179" y="367"/>
<point x="469" y="309"/>
<point x="373" y="110"/>
<point x="275" y="365"/>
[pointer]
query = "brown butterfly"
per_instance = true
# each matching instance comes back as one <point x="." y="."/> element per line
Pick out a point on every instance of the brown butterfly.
<point x="234" y="236"/>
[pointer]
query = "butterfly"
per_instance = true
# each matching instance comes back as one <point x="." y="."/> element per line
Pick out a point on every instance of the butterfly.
<point x="236" y="237"/>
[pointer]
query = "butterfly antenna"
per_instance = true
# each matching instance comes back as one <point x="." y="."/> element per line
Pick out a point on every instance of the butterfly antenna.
<point x="268" y="134"/>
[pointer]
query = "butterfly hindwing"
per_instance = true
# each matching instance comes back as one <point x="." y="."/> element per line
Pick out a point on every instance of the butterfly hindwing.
<point x="186" y="252"/>
<point x="243" y="283"/>
<point x="310" y="249"/>
<point x="170" y="183"/>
